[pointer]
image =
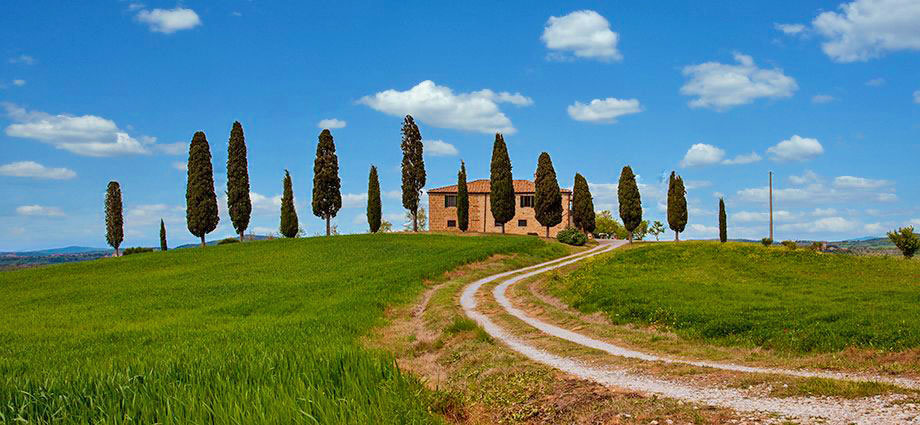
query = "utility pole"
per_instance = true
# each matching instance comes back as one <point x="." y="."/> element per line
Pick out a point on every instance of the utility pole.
<point x="771" y="205"/>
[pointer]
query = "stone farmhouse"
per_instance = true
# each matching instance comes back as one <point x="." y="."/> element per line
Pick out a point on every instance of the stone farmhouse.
<point x="442" y="210"/>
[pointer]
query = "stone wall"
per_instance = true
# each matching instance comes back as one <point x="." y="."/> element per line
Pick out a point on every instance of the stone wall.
<point x="481" y="216"/>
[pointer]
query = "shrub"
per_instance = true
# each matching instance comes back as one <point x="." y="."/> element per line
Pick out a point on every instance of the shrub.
<point x="137" y="250"/>
<point x="766" y="241"/>
<point x="906" y="240"/>
<point x="791" y="245"/>
<point x="228" y="240"/>
<point x="816" y="246"/>
<point x="572" y="236"/>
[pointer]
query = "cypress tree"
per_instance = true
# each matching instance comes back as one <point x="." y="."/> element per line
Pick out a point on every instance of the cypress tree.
<point x="677" y="205"/>
<point x="413" y="168"/>
<point x="200" y="199"/>
<point x="630" y="202"/>
<point x="463" y="200"/>
<point x="114" y="221"/>
<point x="501" y="194"/>
<point x="547" y="199"/>
<point x="289" y="225"/>
<point x="582" y="205"/>
<point x="163" y="246"/>
<point x="238" y="203"/>
<point x="723" y="222"/>
<point x="373" y="201"/>
<point x="327" y="198"/>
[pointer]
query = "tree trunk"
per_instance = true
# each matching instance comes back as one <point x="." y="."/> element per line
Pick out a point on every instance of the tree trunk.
<point x="415" y="220"/>
<point x="203" y="244"/>
<point x="676" y="236"/>
<point x="547" y="231"/>
<point x="242" y="239"/>
<point x="503" y="228"/>
<point x="328" y="229"/>
<point x="630" y="237"/>
<point x="117" y="253"/>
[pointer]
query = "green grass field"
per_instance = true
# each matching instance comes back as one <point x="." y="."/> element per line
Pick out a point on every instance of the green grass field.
<point x="744" y="294"/>
<point x="262" y="332"/>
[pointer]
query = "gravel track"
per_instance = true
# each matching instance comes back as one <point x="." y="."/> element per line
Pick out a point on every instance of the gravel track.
<point x="880" y="409"/>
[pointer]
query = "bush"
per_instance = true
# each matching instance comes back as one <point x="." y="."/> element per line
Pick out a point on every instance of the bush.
<point x="906" y="240"/>
<point x="137" y="250"/>
<point x="791" y="245"/>
<point x="816" y="246"/>
<point x="572" y="236"/>
<point x="228" y="240"/>
<point x="766" y="241"/>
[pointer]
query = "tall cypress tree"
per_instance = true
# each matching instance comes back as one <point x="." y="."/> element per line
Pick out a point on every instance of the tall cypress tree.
<point x="677" y="205"/>
<point x="463" y="200"/>
<point x="582" y="205"/>
<point x="114" y="220"/>
<point x="327" y="197"/>
<point x="163" y="246"/>
<point x="547" y="199"/>
<point x="501" y="194"/>
<point x="630" y="202"/>
<point x="723" y="222"/>
<point x="200" y="199"/>
<point x="373" y="201"/>
<point x="413" y="168"/>
<point x="289" y="224"/>
<point x="238" y="203"/>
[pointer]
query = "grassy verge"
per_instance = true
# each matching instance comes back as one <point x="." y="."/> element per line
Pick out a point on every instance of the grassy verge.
<point x="749" y="296"/>
<point x="263" y="332"/>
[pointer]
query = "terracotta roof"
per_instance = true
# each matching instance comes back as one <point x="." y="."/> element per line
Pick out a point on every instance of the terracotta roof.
<point x="483" y="186"/>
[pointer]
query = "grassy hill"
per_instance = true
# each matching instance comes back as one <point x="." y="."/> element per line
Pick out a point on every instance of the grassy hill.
<point x="749" y="295"/>
<point x="262" y="332"/>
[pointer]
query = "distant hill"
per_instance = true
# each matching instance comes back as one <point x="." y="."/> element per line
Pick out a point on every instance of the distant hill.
<point x="57" y="251"/>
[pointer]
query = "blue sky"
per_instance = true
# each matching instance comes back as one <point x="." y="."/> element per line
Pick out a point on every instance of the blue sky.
<point x="827" y="96"/>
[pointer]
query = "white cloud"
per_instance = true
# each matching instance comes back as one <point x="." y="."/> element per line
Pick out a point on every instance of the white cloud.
<point x="866" y="29"/>
<point x="697" y="184"/>
<point x="331" y="123"/>
<point x="19" y="83"/>
<point x="180" y="165"/>
<point x="720" y="86"/>
<point x="87" y="135"/>
<point x="177" y="148"/>
<point x="34" y="169"/>
<point x="822" y="98"/>
<point x="584" y="33"/>
<point x="915" y="222"/>
<point x="603" y="110"/>
<point x="917" y="96"/>
<point x="859" y="182"/>
<point x="874" y="228"/>
<point x="702" y="154"/>
<point x="790" y="29"/>
<point x="886" y="197"/>
<point x="439" y="148"/>
<point x="807" y="177"/>
<point x="439" y="106"/>
<point x="876" y="82"/>
<point x="23" y="59"/>
<point x="39" y="211"/>
<point x="796" y="149"/>
<point x="265" y="203"/>
<point x="168" y="21"/>
<point x="833" y="224"/>
<point x="743" y="159"/>
<point x="749" y="216"/>
<point x="354" y="200"/>
<point x="824" y="212"/>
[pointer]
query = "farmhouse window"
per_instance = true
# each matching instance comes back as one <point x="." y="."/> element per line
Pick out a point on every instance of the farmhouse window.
<point x="526" y="201"/>
<point x="522" y="223"/>
<point x="450" y="201"/>
<point x="451" y="223"/>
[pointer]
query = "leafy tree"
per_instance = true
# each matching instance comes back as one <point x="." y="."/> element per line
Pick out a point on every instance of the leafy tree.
<point x="723" y="222"/>
<point x="385" y="226"/>
<point x="413" y="168"/>
<point x="114" y="220"/>
<point x="200" y="199"/>
<point x="501" y="194"/>
<point x="463" y="200"/>
<point x="238" y="203"/>
<point x="327" y="197"/>
<point x="766" y="241"/>
<point x="417" y="221"/>
<point x="906" y="240"/>
<point x="373" y="201"/>
<point x="630" y="202"/>
<point x="656" y="229"/>
<point x="547" y="198"/>
<point x="163" y="246"/>
<point x="605" y="223"/>
<point x="641" y="230"/>
<point x="289" y="226"/>
<point x="677" y="205"/>
<point x="582" y="206"/>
